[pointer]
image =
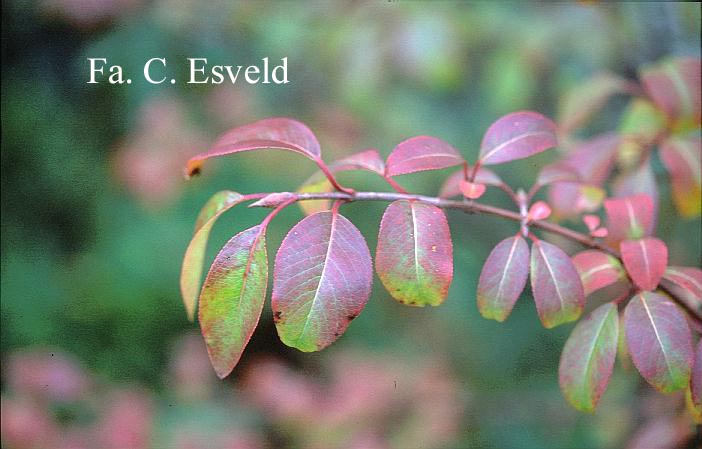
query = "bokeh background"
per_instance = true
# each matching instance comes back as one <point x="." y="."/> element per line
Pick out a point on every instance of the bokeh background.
<point x="96" y="349"/>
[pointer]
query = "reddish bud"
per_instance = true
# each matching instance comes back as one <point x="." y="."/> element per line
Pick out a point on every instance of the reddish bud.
<point x="472" y="190"/>
<point x="539" y="211"/>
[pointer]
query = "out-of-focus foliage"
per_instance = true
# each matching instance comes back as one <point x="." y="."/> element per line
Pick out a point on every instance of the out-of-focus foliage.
<point x="95" y="212"/>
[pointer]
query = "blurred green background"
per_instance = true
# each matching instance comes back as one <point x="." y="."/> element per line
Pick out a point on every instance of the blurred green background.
<point x="96" y="214"/>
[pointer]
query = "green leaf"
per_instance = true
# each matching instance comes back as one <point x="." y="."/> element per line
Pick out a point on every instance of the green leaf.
<point x="193" y="261"/>
<point x="232" y="297"/>
<point x="588" y="358"/>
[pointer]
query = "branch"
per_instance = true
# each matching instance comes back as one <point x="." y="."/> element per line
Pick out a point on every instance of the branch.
<point x="691" y="307"/>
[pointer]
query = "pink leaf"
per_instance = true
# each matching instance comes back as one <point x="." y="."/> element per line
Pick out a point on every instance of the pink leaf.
<point x="452" y="185"/>
<point x="674" y="86"/>
<point x="696" y="378"/>
<point x="645" y="260"/>
<point x="556" y="285"/>
<point x="414" y="256"/>
<point x="682" y="158"/>
<point x="232" y="297"/>
<point x="687" y="278"/>
<point x="193" y="261"/>
<point x="629" y="218"/>
<point x="591" y="221"/>
<point x="503" y="278"/>
<point x="516" y="136"/>
<point x="593" y="159"/>
<point x="588" y="357"/>
<point x="539" y="211"/>
<point x="322" y="280"/>
<point x="639" y="180"/>
<point x="471" y="190"/>
<point x="421" y="153"/>
<point x="659" y="341"/>
<point x="597" y="270"/>
<point x="600" y="232"/>
<point x="280" y="133"/>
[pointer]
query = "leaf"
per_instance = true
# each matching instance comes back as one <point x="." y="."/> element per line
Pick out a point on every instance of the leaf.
<point x="471" y="190"/>
<point x="588" y="357"/>
<point x="659" y="341"/>
<point x="645" y="260"/>
<point x="516" y="136"/>
<point x="558" y="172"/>
<point x="641" y="122"/>
<point x="682" y="158"/>
<point x="583" y="101"/>
<point x="568" y="199"/>
<point x="322" y="280"/>
<point x="555" y="284"/>
<point x="503" y="278"/>
<point x="414" y="256"/>
<point x="640" y="180"/>
<point x="687" y="278"/>
<point x="597" y="270"/>
<point x="421" y="153"/>
<point x="674" y="85"/>
<point x="452" y="185"/>
<point x="696" y="378"/>
<point x="193" y="261"/>
<point x="232" y="297"/>
<point x="279" y="133"/>
<point x="629" y="218"/>
<point x="368" y="160"/>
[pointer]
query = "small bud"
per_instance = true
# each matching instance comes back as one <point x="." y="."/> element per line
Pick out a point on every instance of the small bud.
<point x="591" y="221"/>
<point x="273" y="199"/>
<point x="471" y="190"/>
<point x="539" y="211"/>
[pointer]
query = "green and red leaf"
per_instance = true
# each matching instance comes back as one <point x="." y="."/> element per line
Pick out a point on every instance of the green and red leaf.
<point x="687" y="278"/>
<point x="588" y="357"/>
<point x="583" y="101"/>
<point x="659" y="341"/>
<point x="275" y="133"/>
<point x="556" y="285"/>
<point x="193" y="261"/>
<point x="682" y="158"/>
<point x="503" y="278"/>
<point x="414" y="256"/>
<point x="516" y="136"/>
<point x="421" y="153"/>
<point x="232" y="297"/>
<point x="322" y="280"/>
<point x="629" y="218"/>
<point x="674" y="86"/>
<point x="597" y="270"/>
<point x="645" y="260"/>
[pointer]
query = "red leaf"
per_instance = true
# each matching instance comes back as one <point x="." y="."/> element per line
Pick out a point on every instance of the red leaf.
<point x="682" y="158"/>
<point x="322" y="280"/>
<point x="232" y="297"/>
<point x="421" y="153"/>
<point x="452" y="185"/>
<point x="645" y="260"/>
<point x="597" y="270"/>
<point x="591" y="221"/>
<point x="593" y="159"/>
<point x="556" y="286"/>
<point x="629" y="218"/>
<point x="503" y="278"/>
<point x="696" y="378"/>
<point x="659" y="341"/>
<point x="588" y="357"/>
<point x="280" y="133"/>
<point x="516" y="136"/>
<point x="414" y="256"/>
<point x="640" y="180"/>
<point x="687" y="278"/>
<point x="674" y="86"/>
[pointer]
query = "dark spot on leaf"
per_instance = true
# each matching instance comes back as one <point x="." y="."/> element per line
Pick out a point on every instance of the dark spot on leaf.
<point x="351" y="317"/>
<point x="277" y="316"/>
<point x="194" y="172"/>
<point x="336" y="334"/>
